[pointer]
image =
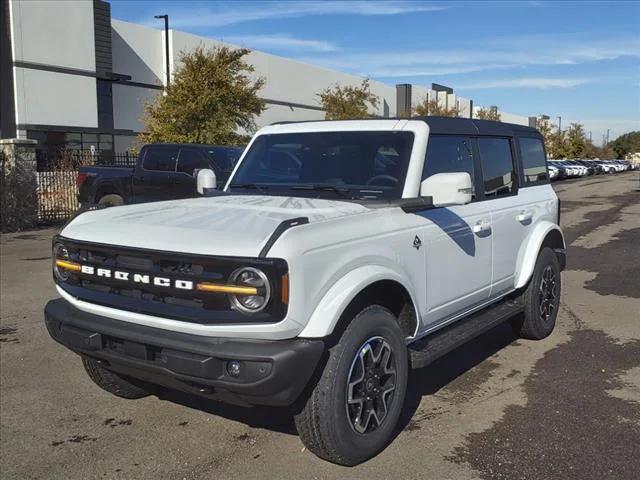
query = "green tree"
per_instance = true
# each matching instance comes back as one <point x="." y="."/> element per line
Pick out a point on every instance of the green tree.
<point x="488" y="114"/>
<point x="576" y="141"/>
<point x="625" y="144"/>
<point x="558" y="144"/>
<point x="347" y="103"/>
<point x="212" y="97"/>
<point x="544" y="127"/>
<point x="432" y="107"/>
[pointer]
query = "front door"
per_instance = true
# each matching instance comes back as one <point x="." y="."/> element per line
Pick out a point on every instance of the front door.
<point x="457" y="240"/>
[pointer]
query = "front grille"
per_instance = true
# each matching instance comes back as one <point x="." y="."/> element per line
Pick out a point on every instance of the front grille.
<point x="186" y="305"/>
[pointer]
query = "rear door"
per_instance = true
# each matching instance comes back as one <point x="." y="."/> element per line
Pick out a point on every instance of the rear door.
<point x="151" y="180"/>
<point x="511" y="213"/>
<point x="458" y="239"/>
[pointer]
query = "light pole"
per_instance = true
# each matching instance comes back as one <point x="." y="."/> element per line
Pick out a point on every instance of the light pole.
<point x="166" y="44"/>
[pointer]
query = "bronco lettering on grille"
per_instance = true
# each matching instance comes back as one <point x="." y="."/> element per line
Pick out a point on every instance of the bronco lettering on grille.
<point x="137" y="278"/>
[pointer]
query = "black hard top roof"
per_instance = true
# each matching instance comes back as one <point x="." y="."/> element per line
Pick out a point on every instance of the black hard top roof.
<point x="461" y="126"/>
<point x="194" y="145"/>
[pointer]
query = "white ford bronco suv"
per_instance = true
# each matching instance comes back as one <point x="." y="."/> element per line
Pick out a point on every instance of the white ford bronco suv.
<point x="339" y="255"/>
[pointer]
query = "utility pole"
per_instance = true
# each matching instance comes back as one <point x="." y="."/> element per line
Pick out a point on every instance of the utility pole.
<point x="166" y="44"/>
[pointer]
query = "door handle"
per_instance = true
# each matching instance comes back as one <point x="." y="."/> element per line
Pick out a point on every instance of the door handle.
<point x="524" y="217"/>
<point x="481" y="226"/>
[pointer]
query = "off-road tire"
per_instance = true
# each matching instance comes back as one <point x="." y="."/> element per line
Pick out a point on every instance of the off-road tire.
<point x="112" y="199"/>
<point x="533" y="324"/>
<point x="323" y="424"/>
<point x="112" y="382"/>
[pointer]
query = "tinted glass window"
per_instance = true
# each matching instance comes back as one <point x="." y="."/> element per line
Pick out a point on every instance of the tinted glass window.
<point x="160" y="158"/>
<point x="191" y="159"/>
<point x="224" y="158"/>
<point x="497" y="166"/>
<point x="446" y="154"/>
<point x="533" y="160"/>
<point x="366" y="164"/>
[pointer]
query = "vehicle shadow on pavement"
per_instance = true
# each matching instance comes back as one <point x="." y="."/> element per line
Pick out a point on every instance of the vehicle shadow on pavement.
<point x="424" y="381"/>
<point x="278" y="419"/>
<point x="452" y="369"/>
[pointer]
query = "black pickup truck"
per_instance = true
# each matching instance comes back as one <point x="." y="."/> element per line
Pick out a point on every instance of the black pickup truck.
<point x="162" y="172"/>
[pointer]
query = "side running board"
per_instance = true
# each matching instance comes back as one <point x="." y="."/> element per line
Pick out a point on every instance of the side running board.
<point x="428" y="349"/>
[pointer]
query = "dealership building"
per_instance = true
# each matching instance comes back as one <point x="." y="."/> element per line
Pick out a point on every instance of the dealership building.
<point x="73" y="77"/>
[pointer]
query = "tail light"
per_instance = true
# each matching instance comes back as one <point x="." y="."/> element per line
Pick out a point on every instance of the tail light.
<point x="81" y="178"/>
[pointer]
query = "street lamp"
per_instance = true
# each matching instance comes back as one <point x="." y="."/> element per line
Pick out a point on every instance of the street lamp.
<point x="166" y="43"/>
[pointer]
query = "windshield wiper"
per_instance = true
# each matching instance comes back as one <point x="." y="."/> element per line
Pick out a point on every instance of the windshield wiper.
<point x="344" y="192"/>
<point x="255" y="186"/>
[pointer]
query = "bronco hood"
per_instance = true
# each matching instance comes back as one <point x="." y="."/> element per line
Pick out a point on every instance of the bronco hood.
<point x="230" y="225"/>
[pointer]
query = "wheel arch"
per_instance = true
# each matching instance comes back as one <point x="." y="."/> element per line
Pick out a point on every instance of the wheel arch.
<point x="106" y="188"/>
<point x="546" y="234"/>
<point x="357" y="289"/>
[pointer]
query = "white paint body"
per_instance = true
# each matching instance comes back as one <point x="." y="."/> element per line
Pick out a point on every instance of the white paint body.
<point x="471" y="254"/>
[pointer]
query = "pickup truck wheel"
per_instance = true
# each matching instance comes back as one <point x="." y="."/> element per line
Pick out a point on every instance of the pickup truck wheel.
<point x="111" y="199"/>
<point x="112" y="382"/>
<point x="541" y="298"/>
<point x="352" y="412"/>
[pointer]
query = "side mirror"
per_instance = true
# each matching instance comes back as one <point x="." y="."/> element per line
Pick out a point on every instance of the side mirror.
<point x="448" y="189"/>
<point x="206" y="180"/>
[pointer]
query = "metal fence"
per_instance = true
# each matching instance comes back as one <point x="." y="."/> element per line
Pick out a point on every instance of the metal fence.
<point x="48" y="160"/>
<point x="57" y="191"/>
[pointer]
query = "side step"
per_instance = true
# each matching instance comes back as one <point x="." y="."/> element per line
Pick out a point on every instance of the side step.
<point x="427" y="349"/>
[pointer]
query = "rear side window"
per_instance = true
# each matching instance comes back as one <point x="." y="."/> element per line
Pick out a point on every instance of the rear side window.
<point x="498" y="172"/>
<point x="191" y="159"/>
<point x="160" y="158"/>
<point x="447" y="154"/>
<point x="534" y="163"/>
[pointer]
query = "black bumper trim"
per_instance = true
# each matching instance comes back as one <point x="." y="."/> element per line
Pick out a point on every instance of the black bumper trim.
<point x="273" y="372"/>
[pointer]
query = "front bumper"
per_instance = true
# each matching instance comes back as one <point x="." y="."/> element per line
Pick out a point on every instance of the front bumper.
<point x="273" y="372"/>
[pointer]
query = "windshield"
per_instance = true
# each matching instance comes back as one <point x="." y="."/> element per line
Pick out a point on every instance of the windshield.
<point x="356" y="164"/>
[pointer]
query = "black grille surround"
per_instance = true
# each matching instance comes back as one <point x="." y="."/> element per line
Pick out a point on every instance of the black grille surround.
<point x="191" y="306"/>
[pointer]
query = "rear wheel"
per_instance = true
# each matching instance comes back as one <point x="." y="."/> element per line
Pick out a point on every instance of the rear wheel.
<point x="112" y="382"/>
<point x="541" y="298"/>
<point x="352" y="413"/>
<point x="111" y="200"/>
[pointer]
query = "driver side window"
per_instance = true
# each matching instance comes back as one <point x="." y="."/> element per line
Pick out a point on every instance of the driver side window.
<point x="449" y="154"/>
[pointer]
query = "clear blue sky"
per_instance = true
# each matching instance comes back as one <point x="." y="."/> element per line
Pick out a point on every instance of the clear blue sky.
<point x="580" y="60"/>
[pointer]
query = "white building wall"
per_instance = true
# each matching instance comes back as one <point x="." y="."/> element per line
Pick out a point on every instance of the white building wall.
<point x="513" y="118"/>
<point x="128" y="105"/>
<point x="138" y="51"/>
<point x="48" y="98"/>
<point x="288" y="80"/>
<point x="53" y="33"/>
<point x="58" y="34"/>
<point x="418" y="95"/>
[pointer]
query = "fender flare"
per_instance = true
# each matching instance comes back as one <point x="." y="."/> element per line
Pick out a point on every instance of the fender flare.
<point x="529" y="250"/>
<point x="328" y="311"/>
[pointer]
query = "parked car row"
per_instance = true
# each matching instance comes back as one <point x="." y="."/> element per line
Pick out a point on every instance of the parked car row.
<point x="561" y="169"/>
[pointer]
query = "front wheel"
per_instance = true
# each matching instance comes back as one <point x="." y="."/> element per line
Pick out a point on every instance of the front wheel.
<point x="352" y="412"/>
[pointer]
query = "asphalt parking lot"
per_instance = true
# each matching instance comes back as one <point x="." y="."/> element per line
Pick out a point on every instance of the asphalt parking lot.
<point x="565" y="407"/>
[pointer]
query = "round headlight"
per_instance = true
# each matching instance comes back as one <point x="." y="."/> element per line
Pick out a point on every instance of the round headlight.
<point x="250" y="277"/>
<point x="60" y="253"/>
